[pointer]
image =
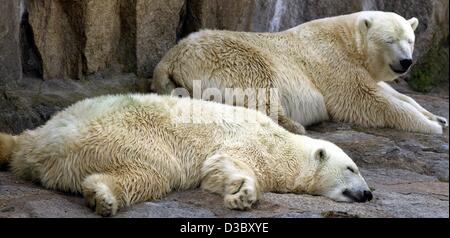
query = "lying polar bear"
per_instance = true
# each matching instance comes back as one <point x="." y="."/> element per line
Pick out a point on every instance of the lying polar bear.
<point x="332" y="67"/>
<point x="120" y="150"/>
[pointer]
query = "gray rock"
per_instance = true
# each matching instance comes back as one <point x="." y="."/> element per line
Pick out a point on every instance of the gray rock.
<point x="167" y="209"/>
<point x="78" y="38"/>
<point x="31" y="101"/>
<point x="102" y="32"/>
<point x="10" y="61"/>
<point x="157" y="27"/>
<point x="398" y="193"/>
<point x="57" y="28"/>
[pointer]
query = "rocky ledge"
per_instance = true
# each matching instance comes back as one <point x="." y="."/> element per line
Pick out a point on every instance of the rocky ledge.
<point x="408" y="172"/>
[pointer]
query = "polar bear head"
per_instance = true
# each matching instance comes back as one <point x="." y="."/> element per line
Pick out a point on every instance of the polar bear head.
<point x="330" y="172"/>
<point x="389" y="42"/>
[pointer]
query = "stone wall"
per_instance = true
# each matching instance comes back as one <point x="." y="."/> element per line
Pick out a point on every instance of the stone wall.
<point x="10" y="60"/>
<point x="82" y="37"/>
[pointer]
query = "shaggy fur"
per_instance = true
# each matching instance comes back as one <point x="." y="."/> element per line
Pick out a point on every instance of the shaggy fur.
<point x="328" y="68"/>
<point x="120" y="150"/>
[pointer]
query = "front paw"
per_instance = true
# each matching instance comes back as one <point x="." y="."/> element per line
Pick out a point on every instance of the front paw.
<point x="243" y="199"/>
<point x="99" y="197"/>
<point x="435" y="128"/>
<point x="442" y="121"/>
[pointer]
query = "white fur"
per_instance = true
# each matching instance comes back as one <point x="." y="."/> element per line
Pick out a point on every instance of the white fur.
<point x="124" y="149"/>
<point x="328" y="68"/>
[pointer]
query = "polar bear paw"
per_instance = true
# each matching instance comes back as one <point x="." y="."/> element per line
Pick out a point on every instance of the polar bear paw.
<point x="295" y="127"/>
<point x="442" y="121"/>
<point x="434" y="128"/>
<point x="243" y="199"/>
<point x="100" y="198"/>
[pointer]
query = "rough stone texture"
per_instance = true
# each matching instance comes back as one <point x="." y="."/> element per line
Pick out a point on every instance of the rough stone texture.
<point x="31" y="58"/>
<point x="82" y="37"/>
<point x="399" y="193"/>
<point x="127" y="45"/>
<point x="57" y="27"/>
<point x="32" y="101"/>
<point x="102" y="30"/>
<point x="157" y="26"/>
<point x="217" y="14"/>
<point x="407" y="172"/>
<point x="10" y="61"/>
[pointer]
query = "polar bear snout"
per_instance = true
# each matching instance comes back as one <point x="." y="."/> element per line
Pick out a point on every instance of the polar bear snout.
<point x="403" y="66"/>
<point x="358" y="196"/>
<point x="406" y="63"/>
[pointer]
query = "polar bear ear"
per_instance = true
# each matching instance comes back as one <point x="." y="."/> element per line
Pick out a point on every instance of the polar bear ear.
<point x="320" y="155"/>
<point x="365" y="23"/>
<point x="414" y="23"/>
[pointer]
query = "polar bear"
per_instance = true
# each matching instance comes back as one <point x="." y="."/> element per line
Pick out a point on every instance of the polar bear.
<point x="123" y="149"/>
<point x="332" y="68"/>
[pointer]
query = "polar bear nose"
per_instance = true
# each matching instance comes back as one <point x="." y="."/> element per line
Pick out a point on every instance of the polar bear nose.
<point x="358" y="196"/>
<point x="406" y="63"/>
<point x="368" y="195"/>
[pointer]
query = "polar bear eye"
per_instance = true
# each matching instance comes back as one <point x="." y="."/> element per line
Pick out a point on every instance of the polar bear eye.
<point x="410" y="42"/>
<point x="351" y="170"/>
<point x="390" y="42"/>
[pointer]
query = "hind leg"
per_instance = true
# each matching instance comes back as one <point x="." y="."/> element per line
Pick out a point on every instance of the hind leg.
<point x="107" y="193"/>
<point x="163" y="86"/>
<point x="291" y="125"/>
<point x="162" y="82"/>
<point x="267" y="101"/>
<point x="274" y="107"/>
<point x="283" y="120"/>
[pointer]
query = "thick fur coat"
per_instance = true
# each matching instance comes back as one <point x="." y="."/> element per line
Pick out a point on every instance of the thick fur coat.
<point x="330" y="68"/>
<point x="120" y="150"/>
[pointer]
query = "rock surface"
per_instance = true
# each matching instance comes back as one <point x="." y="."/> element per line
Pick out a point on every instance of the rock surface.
<point x="57" y="28"/>
<point x="78" y="38"/>
<point x="407" y="172"/>
<point x="102" y="32"/>
<point x="10" y="61"/>
<point x="157" y="28"/>
<point x="30" y="102"/>
<point x="83" y="37"/>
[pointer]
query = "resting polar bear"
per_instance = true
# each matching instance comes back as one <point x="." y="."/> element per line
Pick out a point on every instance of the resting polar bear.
<point x="332" y="67"/>
<point x="120" y="150"/>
